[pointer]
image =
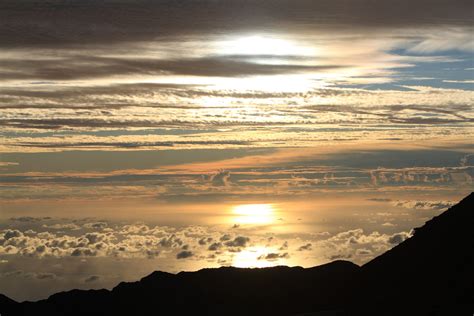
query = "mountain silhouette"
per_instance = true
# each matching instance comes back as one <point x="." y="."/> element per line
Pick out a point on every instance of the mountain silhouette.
<point x="433" y="270"/>
<point x="430" y="273"/>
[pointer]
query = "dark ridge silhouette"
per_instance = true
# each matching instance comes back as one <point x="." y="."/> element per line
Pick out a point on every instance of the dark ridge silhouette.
<point x="430" y="273"/>
<point x="6" y="302"/>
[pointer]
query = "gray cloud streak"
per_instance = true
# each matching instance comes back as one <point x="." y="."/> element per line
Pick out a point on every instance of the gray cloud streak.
<point x="59" y="23"/>
<point x="82" y="67"/>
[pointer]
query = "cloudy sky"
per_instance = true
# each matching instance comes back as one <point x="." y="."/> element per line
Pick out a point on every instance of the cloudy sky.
<point x="175" y="135"/>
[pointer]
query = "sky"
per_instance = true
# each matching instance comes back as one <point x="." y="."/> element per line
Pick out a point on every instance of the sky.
<point x="177" y="135"/>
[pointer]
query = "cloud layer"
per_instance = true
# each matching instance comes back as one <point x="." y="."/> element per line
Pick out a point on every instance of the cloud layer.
<point x="102" y="239"/>
<point x="49" y="23"/>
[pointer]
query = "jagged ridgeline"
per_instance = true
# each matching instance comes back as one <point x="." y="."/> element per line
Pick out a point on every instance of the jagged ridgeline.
<point x="430" y="273"/>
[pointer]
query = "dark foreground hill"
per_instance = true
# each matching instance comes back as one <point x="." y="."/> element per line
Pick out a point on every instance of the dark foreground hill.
<point x="429" y="274"/>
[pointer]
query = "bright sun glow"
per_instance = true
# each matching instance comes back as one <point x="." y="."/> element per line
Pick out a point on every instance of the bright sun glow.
<point x="267" y="50"/>
<point x="254" y="214"/>
<point x="262" y="45"/>
<point x="253" y="257"/>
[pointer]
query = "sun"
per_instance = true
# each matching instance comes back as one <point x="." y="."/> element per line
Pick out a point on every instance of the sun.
<point x="269" y="50"/>
<point x="262" y="45"/>
<point x="251" y="258"/>
<point x="256" y="214"/>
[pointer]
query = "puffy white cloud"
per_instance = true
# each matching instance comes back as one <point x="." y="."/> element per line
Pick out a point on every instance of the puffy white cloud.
<point x="147" y="242"/>
<point x="359" y="246"/>
<point x="127" y="241"/>
<point x="424" y="205"/>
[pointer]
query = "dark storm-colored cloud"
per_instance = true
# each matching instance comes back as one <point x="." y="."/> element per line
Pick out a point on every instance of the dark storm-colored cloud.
<point x="92" y="278"/>
<point x="225" y="237"/>
<point x="215" y="246"/>
<point x="273" y="256"/>
<point x="239" y="241"/>
<point x="57" y="23"/>
<point x="205" y="240"/>
<point x="12" y="233"/>
<point x="340" y="257"/>
<point x="171" y="242"/>
<point x="395" y="239"/>
<point x="184" y="254"/>
<point x="79" y="252"/>
<point x="307" y="246"/>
